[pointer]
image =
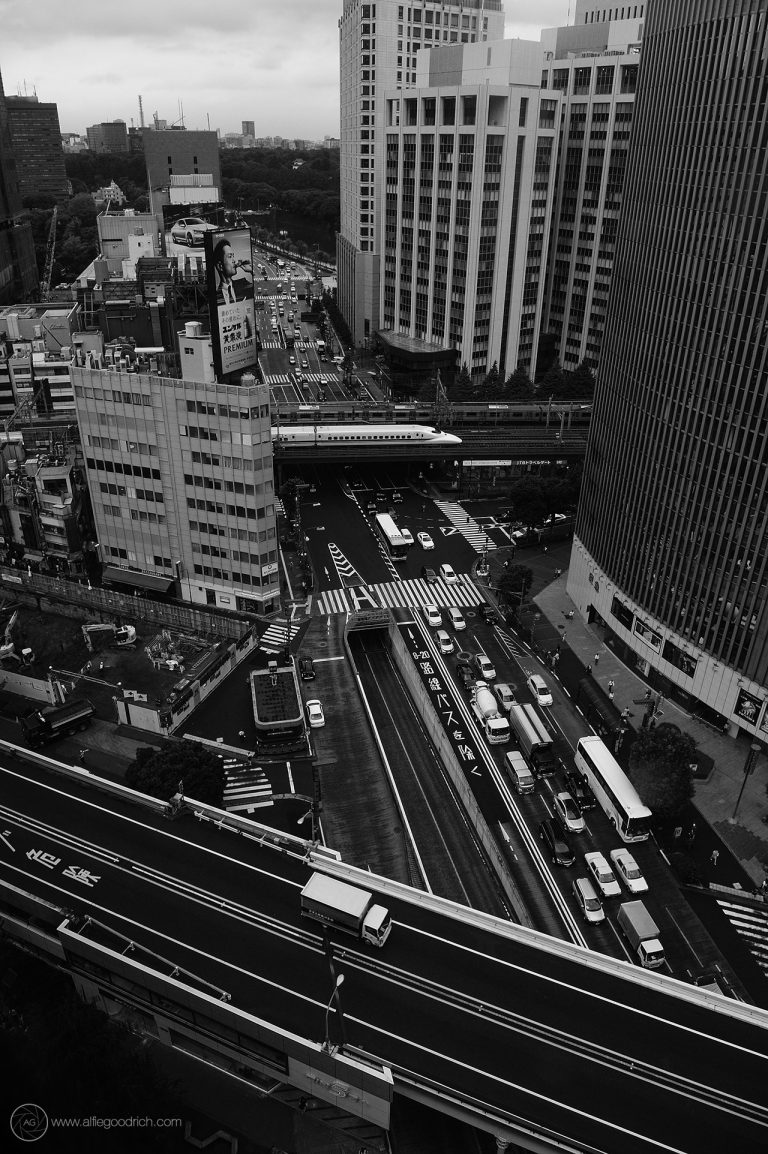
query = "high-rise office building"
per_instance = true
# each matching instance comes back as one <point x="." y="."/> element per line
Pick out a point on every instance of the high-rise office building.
<point x="469" y="176"/>
<point x="109" y="136"/>
<point x="671" y="550"/>
<point x="595" y="68"/>
<point x="19" y="278"/>
<point x="37" y="146"/>
<point x="378" y="46"/>
<point x="249" y="128"/>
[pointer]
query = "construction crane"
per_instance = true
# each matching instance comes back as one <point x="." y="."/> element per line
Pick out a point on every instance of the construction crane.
<point x="45" y="283"/>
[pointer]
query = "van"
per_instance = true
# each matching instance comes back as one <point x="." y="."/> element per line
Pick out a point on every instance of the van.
<point x="456" y="618"/>
<point x="589" y="903"/>
<point x="444" y="641"/>
<point x="522" y="778"/>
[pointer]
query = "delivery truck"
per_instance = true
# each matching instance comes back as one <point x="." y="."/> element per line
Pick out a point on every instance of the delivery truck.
<point x="52" y="721"/>
<point x="345" y="907"/>
<point x="642" y="933"/>
<point x="535" y="739"/>
<point x="486" y="709"/>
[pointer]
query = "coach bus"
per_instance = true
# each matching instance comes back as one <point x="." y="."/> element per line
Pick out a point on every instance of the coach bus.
<point x="394" y="541"/>
<point x="613" y="789"/>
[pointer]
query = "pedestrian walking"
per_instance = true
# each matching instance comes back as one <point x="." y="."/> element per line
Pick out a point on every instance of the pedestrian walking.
<point x="610" y="695"/>
<point x="241" y="734"/>
<point x="714" y="856"/>
<point x="81" y="755"/>
<point x="101" y="667"/>
<point x="557" y="573"/>
<point x="611" y="687"/>
<point x="588" y="671"/>
<point x="678" y="832"/>
<point x="544" y="549"/>
<point x="596" y="658"/>
<point x="691" y="835"/>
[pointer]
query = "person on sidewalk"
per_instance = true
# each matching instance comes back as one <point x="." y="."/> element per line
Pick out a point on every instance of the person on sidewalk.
<point x="596" y="658"/>
<point x="714" y="856"/>
<point x="611" y="687"/>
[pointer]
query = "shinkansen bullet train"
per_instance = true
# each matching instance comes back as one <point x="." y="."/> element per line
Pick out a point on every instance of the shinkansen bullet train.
<point x="349" y="434"/>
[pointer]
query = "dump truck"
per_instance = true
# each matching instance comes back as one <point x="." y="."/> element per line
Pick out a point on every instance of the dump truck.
<point x="345" y="907"/>
<point x="535" y="739"/>
<point x="642" y="933"/>
<point x="486" y="709"/>
<point x="52" y="721"/>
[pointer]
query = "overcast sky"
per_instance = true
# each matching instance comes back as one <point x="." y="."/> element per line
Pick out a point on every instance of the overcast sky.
<point x="276" y="63"/>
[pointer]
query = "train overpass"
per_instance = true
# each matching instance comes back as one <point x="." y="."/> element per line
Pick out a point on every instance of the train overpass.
<point x="187" y="919"/>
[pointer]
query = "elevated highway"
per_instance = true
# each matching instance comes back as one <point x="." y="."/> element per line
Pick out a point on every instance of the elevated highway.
<point x="193" y="926"/>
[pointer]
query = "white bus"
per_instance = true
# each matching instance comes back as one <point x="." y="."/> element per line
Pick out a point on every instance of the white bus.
<point x="613" y="789"/>
<point x="394" y="542"/>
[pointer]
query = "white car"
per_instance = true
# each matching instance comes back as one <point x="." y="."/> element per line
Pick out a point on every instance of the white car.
<point x="603" y="875"/>
<point x="432" y="614"/>
<point x="448" y="574"/>
<point x="539" y="689"/>
<point x="505" y="695"/>
<point x="315" y="715"/>
<point x="484" y="667"/>
<point x="629" y="871"/>
<point x="569" y="813"/>
<point x="444" y="641"/>
<point x="291" y="359"/>
<point x="425" y="540"/>
<point x="456" y="618"/>
<point x="406" y="535"/>
<point x="190" y="230"/>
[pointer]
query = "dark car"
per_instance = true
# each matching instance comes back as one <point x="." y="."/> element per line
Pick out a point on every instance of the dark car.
<point x="579" y="790"/>
<point x="372" y="507"/>
<point x="428" y="574"/>
<point x="556" y="843"/>
<point x="488" y="613"/>
<point x="306" y="669"/>
<point x="465" y="676"/>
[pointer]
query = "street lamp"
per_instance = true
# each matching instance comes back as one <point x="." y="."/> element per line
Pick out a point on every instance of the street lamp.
<point x="334" y="994"/>
<point x="749" y="765"/>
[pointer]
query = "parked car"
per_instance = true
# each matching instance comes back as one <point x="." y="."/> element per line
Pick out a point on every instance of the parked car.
<point x="484" y="667"/>
<point x="190" y="230"/>
<point x="306" y="669"/>
<point x="629" y="871"/>
<point x="432" y="614"/>
<point x="603" y="875"/>
<point x="425" y="540"/>
<point x="315" y="715"/>
<point x="556" y="842"/>
<point x="577" y="786"/>
<point x="539" y="689"/>
<point x="448" y="574"/>
<point x="569" y="813"/>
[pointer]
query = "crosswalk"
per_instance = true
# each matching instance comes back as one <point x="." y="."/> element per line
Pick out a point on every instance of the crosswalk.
<point x="412" y="594"/>
<point x="467" y="526"/>
<point x="289" y="379"/>
<point x="751" y="924"/>
<point x="278" y="635"/>
<point x="246" y="787"/>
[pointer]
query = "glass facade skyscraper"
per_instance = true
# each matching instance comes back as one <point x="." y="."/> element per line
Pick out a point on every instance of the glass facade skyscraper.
<point x="671" y="550"/>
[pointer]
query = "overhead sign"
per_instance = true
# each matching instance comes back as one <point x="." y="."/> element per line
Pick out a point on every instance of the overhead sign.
<point x="231" y="308"/>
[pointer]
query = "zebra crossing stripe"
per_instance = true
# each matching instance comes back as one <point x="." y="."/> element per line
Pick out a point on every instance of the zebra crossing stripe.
<point x="467" y="526"/>
<point x="409" y="594"/>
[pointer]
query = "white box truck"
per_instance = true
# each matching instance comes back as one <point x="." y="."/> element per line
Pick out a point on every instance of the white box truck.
<point x="345" y="907"/>
<point x="642" y="933"/>
<point x="486" y="709"/>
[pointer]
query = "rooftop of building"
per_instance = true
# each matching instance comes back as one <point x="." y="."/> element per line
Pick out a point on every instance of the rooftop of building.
<point x="276" y="698"/>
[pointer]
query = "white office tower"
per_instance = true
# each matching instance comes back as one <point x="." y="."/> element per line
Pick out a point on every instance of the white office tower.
<point x="378" y="46"/>
<point x="469" y="176"/>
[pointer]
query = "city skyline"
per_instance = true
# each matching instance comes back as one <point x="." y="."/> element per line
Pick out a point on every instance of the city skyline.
<point x="96" y="70"/>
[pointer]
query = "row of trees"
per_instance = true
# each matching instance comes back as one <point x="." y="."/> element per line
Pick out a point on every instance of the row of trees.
<point x="555" y="384"/>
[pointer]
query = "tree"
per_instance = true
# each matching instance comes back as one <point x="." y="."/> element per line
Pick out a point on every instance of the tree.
<point x="518" y="386"/>
<point x="526" y="495"/>
<point x="492" y="386"/>
<point x="580" y="384"/>
<point x="515" y="583"/>
<point x="553" y="383"/>
<point x="158" y="772"/>
<point x="660" y="766"/>
<point x="462" y="388"/>
<point x="546" y="355"/>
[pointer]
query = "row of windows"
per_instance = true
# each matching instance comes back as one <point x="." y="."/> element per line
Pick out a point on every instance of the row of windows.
<point x="237" y="578"/>
<point x="149" y="558"/>
<point x="120" y="466"/>
<point x="130" y="491"/>
<point x="230" y="411"/>
<point x="135" y="514"/>
<point x="116" y="395"/>
<point x="247" y="490"/>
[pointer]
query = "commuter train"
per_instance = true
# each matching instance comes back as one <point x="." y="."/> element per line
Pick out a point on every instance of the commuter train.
<point x="349" y="434"/>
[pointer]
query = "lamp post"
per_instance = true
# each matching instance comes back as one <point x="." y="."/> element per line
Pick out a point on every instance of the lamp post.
<point x="749" y="765"/>
<point x="334" y="994"/>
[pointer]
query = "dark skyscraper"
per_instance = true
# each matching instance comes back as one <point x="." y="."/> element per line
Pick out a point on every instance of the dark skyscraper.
<point x="37" y="147"/>
<point x="671" y="550"/>
<point x="18" y="267"/>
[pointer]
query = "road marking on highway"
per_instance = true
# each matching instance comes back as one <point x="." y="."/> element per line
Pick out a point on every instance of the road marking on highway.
<point x="409" y="594"/>
<point x="277" y="636"/>
<point x="466" y="525"/>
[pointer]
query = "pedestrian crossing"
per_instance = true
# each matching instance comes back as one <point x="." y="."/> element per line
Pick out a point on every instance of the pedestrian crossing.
<point x="289" y="378"/>
<point x="277" y="636"/>
<point x="412" y="594"/>
<point x="750" y="921"/>
<point x="469" y="528"/>
<point x="246" y="787"/>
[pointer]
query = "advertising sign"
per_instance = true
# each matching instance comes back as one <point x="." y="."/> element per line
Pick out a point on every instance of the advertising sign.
<point x="747" y="707"/>
<point x="229" y="275"/>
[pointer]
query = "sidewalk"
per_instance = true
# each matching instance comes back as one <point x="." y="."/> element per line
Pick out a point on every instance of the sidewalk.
<point x="745" y="836"/>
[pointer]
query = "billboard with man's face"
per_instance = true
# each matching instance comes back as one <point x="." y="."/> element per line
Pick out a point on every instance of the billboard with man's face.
<point x="229" y="274"/>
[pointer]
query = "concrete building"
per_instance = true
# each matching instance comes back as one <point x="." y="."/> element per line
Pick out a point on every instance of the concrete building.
<point x="36" y="137"/>
<point x="192" y="158"/>
<point x="44" y="509"/>
<point x="73" y="142"/>
<point x="595" y="67"/>
<point x="671" y="547"/>
<point x="109" y="136"/>
<point x="36" y="347"/>
<point x="469" y="177"/>
<point x="19" y="278"/>
<point x="378" y="47"/>
<point x="181" y="482"/>
<point x="249" y="128"/>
